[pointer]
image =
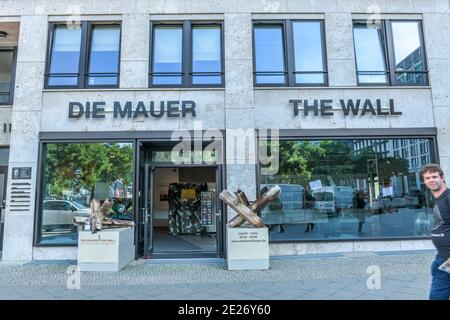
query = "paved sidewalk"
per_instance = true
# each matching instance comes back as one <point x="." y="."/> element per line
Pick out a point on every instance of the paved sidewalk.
<point x="404" y="276"/>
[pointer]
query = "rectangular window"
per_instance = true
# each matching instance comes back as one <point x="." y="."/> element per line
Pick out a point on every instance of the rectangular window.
<point x="167" y="55"/>
<point x="308" y="52"/>
<point x="104" y="55"/>
<point x="7" y="71"/>
<point x="331" y="191"/>
<point x="74" y="174"/>
<point x="269" y="55"/>
<point x="187" y="54"/>
<point x="289" y="53"/>
<point x="408" y="52"/>
<point x="390" y="53"/>
<point x="206" y="55"/>
<point x="370" y="53"/>
<point x="84" y="55"/>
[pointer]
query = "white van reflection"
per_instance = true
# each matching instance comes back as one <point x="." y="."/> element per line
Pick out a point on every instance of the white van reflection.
<point x="59" y="214"/>
<point x="333" y="199"/>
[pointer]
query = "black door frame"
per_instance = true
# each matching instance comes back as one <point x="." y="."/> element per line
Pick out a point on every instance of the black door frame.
<point x="3" y="170"/>
<point x="143" y="164"/>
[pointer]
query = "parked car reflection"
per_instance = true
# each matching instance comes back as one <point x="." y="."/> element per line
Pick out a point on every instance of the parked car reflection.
<point x="59" y="214"/>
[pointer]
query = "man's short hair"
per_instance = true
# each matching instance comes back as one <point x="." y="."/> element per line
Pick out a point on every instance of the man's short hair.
<point x="431" y="168"/>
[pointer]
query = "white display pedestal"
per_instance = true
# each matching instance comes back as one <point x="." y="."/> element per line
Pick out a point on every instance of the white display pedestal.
<point x="105" y="250"/>
<point x="247" y="248"/>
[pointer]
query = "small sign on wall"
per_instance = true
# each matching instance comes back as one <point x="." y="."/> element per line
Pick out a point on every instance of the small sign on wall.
<point x="21" y="173"/>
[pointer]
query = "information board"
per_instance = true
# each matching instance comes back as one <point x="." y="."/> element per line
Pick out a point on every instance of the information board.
<point x="207" y="208"/>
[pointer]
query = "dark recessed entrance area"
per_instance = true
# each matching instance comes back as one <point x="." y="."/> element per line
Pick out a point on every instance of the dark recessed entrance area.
<point x="180" y="214"/>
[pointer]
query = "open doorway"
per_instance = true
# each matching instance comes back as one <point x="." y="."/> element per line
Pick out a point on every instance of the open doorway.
<point x="180" y="194"/>
<point x="180" y="213"/>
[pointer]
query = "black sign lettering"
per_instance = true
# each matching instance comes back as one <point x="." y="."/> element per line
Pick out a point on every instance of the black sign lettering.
<point x="153" y="113"/>
<point x="296" y="108"/>
<point x="76" y="110"/>
<point x="350" y="106"/>
<point x="391" y="108"/>
<point x="126" y="111"/>
<point x="379" y="111"/>
<point x="97" y="110"/>
<point x="325" y="107"/>
<point x="187" y="106"/>
<point x="368" y="106"/>
<point x="172" y="111"/>
<point x="140" y="110"/>
<point x="308" y="107"/>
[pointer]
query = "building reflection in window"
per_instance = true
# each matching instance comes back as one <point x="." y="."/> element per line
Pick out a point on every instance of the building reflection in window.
<point x="349" y="189"/>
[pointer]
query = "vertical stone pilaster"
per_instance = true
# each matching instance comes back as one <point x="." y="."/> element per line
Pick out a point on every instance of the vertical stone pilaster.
<point x="135" y="51"/>
<point x="340" y="49"/>
<point x="18" y="236"/>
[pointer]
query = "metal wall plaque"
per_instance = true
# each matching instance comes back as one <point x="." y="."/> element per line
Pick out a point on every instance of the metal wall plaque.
<point x="207" y="208"/>
<point x="21" y="173"/>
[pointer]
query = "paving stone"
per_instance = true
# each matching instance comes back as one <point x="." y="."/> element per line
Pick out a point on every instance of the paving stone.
<point x="287" y="279"/>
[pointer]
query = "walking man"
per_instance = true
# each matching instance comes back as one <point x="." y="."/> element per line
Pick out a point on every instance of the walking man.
<point x="433" y="177"/>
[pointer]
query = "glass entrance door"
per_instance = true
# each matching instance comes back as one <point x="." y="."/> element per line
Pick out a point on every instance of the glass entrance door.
<point x="148" y="210"/>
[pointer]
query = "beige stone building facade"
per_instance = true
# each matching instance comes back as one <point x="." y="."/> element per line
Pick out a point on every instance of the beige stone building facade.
<point x="247" y="93"/>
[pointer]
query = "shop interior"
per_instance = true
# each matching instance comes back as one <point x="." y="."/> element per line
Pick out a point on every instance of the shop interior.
<point x="183" y="210"/>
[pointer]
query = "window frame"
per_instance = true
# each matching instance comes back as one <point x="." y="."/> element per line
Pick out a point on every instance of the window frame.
<point x="83" y="64"/>
<point x="348" y="134"/>
<point x="385" y="54"/>
<point x="389" y="53"/>
<point x="289" y="53"/>
<point x="186" y="52"/>
<point x="13" y="75"/>
<point x="40" y="180"/>
<point x="90" y="29"/>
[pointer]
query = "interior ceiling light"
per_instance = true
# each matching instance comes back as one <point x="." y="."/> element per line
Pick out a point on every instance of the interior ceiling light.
<point x="3" y="34"/>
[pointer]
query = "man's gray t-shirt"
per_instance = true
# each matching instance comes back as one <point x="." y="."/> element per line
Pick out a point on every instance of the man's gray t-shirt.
<point x="440" y="233"/>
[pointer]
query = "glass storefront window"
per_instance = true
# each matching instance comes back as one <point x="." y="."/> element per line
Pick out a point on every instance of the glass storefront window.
<point x="74" y="174"/>
<point x="333" y="189"/>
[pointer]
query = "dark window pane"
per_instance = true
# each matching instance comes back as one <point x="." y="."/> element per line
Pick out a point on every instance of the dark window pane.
<point x="206" y="55"/>
<point x="167" y="55"/>
<point x="346" y="189"/>
<point x="104" y="55"/>
<point x="370" y="53"/>
<point x="308" y="52"/>
<point x="409" y="62"/>
<point x="269" y="55"/>
<point x="65" y="56"/>
<point x="6" y="64"/>
<point x="76" y="172"/>
<point x="4" y="156"/>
